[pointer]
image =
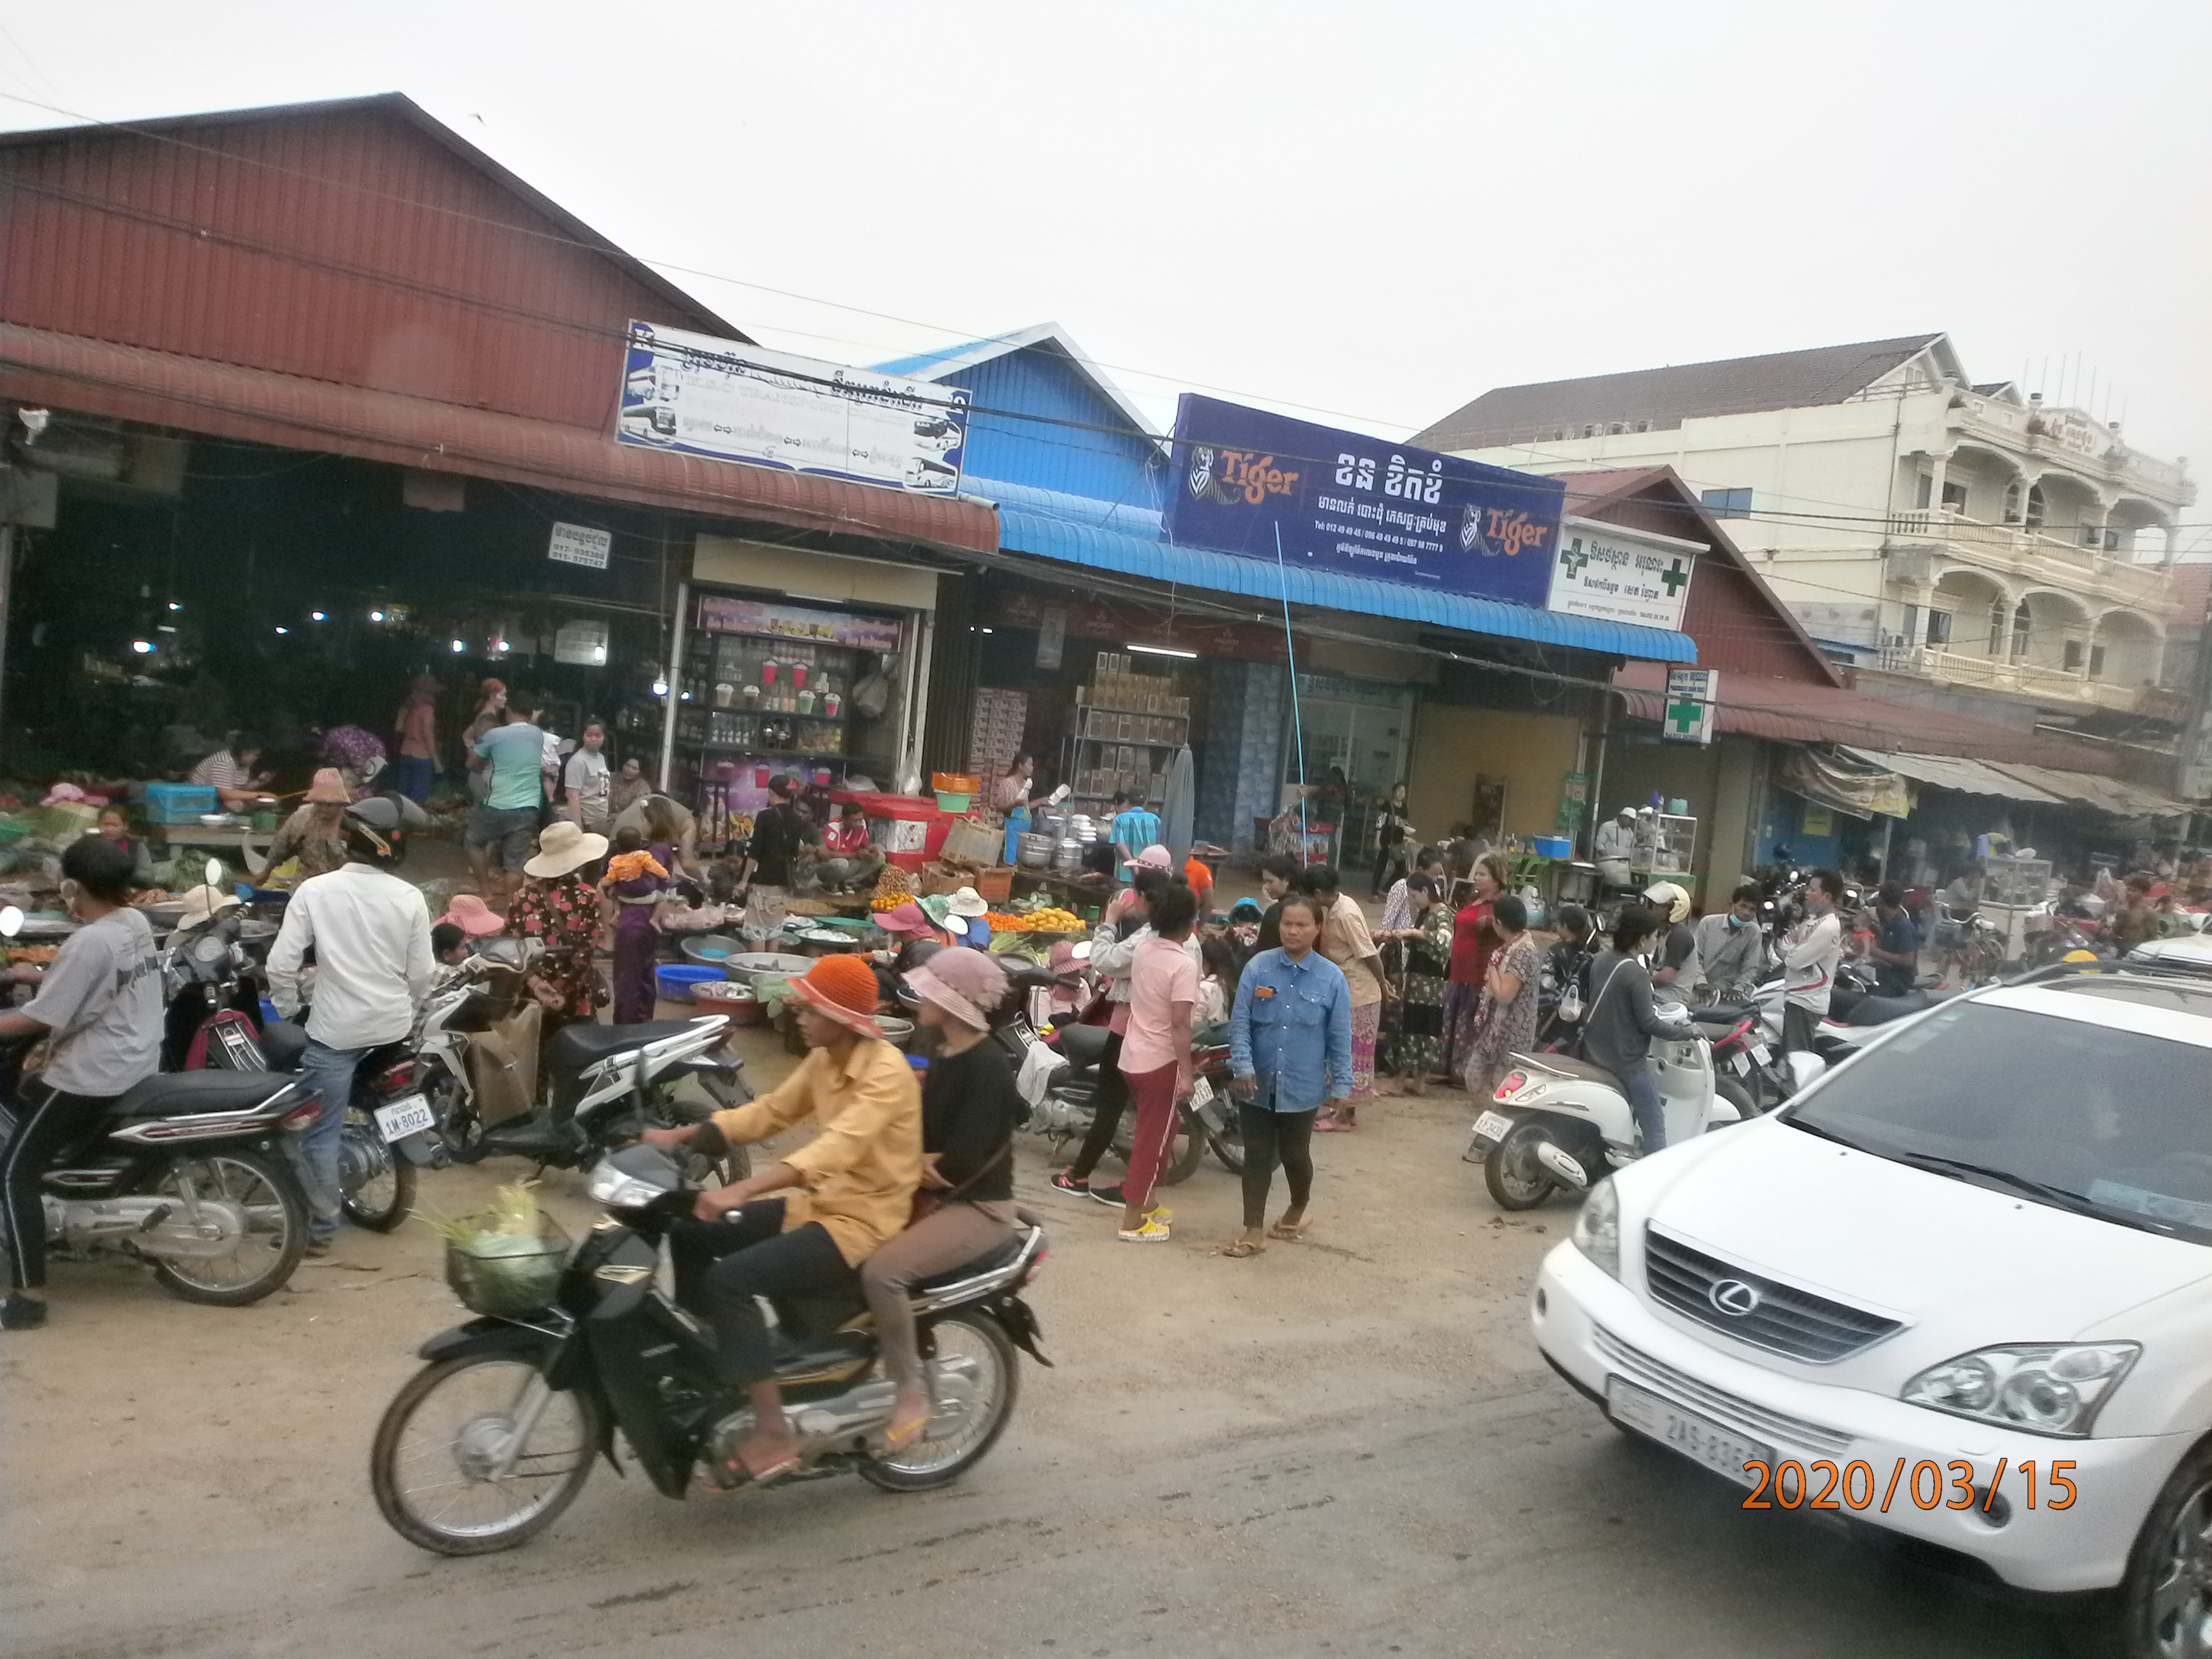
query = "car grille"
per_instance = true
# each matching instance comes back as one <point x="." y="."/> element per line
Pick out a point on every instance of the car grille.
<point x="1737" y="1413"/>
<point x="1777" y="1317"/>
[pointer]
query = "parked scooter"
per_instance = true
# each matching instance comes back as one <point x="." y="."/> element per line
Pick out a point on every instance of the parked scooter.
<point x="187" y="1171"/>
<point x="486" y="1446"/>
<point x="1558" y="1124"/>
<point x="597" y="1086"/>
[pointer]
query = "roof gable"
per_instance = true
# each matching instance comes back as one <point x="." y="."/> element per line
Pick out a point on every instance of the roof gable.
<point x="1660" y="398"/>
<point x="358" y="240"/>
<point x="1047" y="416"/>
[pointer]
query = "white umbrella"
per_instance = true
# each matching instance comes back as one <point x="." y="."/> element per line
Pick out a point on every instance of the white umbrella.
<point x="1180" y="807"/>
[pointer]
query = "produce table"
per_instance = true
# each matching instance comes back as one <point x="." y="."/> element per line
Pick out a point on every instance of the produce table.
<point x="246" y="842"/>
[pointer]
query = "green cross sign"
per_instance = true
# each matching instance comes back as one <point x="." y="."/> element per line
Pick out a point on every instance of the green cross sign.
<point x="1676" y="579"/>
<point x="1684" y="716"/>
<point x="1573" y="558"/>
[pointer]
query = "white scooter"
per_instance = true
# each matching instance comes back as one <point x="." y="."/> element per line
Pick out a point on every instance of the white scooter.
<point x="1558" y="1124"/>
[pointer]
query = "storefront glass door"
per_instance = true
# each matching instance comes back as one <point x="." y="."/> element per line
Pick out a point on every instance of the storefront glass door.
<point x="1355" y="734"/>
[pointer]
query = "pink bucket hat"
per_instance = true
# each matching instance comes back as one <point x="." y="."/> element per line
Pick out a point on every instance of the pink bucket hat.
<point x="1154" y="857"/>
<point x="908" y="918"/>
<point x="472" y="915"/>
<point x="966" y="984"/>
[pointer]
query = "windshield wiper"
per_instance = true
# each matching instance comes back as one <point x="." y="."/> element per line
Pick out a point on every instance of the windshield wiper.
<point x="1811" y="1129"/>
<point x="2056" y="1196"/>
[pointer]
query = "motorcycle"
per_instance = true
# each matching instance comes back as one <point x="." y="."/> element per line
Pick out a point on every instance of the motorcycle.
<point x="493" y="1438"/>
<point x="187" y="1171"/>
<point x="1560" y="1124"/>
<point x="598" y="1086"/>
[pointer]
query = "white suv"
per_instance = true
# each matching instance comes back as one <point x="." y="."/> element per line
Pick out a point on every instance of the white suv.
<point x="1961" y="1288"/>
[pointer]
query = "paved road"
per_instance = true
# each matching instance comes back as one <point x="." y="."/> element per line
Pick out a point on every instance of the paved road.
<point x="1346" y="1447"/>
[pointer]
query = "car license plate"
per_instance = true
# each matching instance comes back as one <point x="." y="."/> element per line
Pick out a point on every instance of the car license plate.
<point x="406" y="1117"/>
<point x="1698" y="1438"/>
<point x="1493" y="1126"/>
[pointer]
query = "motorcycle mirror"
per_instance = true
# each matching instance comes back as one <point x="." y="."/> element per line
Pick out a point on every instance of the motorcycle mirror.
<point x="1082" y="951"/>
<point x="11" y="923"/>
<point x="211" y="873"/>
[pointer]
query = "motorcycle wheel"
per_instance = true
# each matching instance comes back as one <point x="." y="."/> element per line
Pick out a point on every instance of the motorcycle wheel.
<point x="429" y="1466"/>
<point x="943" y="1455"/>
<point x="1227" y="1143"/>
<point x="381" y="1192"/>
<point x="1736" y="1096"/>
<point x="277" y="1233"/>
<point x="1516" y="1180"/>
<point x="1186" y="1150"/>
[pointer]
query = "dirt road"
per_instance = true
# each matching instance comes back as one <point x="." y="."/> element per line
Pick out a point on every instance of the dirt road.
<point x="1345" y="1446"/>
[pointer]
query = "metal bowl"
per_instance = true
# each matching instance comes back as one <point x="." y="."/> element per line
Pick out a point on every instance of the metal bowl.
<point x="750" y="967"/>
<point x="897" y="1032"/>
<point x="711" y="949"/>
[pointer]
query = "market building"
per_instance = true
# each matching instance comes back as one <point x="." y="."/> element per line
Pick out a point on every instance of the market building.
<point x="1484" y="706"/>
<point x="305" y="402"/>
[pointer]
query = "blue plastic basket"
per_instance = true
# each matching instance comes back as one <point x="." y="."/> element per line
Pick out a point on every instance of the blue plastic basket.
<point x="675" y="983"/>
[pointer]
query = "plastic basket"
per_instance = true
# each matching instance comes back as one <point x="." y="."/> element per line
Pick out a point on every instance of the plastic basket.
<point x="493" y="1277"/>
<point x="674" y="983"/>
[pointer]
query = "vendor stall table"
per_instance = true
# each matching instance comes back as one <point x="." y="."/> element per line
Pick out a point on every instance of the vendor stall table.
<point x="246" y="842"/>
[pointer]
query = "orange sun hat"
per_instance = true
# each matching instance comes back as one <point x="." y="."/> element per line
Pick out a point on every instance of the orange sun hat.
<point x="843" y="988"/>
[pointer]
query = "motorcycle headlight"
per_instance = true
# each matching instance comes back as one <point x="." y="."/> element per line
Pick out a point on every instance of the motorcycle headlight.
<point x="2044" y="1388"/>
<point x="1597" y="1227"/>
<point x="618" y="1189"/>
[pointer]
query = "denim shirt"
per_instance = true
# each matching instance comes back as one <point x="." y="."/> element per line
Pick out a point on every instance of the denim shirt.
<point x="1292" y="1030"/>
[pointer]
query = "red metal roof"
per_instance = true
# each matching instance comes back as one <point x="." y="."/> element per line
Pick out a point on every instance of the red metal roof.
<point x="1791" y="711"/>
<point x="227" y="400"/>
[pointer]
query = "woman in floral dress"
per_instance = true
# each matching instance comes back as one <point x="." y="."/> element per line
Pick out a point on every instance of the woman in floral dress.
<point x="559" y="905"/>
<point x="1506" y="1018"/>
<point x="1416" y="1050"/>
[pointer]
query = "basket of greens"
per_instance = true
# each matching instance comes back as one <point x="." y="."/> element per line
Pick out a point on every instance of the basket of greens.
<point x="507" y="1260"/>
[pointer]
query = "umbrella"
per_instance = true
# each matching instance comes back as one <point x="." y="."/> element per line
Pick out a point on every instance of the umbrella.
<point x="1180" y="807"/>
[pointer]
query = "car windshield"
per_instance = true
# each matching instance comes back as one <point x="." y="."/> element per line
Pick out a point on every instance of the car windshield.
<point x="2084" y="1117"/>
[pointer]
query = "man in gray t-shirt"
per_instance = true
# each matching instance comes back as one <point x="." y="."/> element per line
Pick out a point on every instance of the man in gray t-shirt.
<point x="101" y="999"/>
<point x="100" y="1005"/>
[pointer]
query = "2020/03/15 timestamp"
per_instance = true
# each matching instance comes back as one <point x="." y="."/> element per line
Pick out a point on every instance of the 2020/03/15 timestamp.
<point x="1926" y="1485"/>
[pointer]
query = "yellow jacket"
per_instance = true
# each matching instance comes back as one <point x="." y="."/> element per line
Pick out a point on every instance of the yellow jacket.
<point x="860" y="1171"/>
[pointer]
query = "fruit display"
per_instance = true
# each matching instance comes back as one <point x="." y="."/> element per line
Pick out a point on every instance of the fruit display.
<point x="893" y="888"/>
<point x="1048" y="919"/>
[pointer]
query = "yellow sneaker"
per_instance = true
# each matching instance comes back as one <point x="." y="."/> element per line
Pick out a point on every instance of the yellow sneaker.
<point x="1154" y="1231"/>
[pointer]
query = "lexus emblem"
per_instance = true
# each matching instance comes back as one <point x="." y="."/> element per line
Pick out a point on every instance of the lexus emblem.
<point x="1733" y="1298"/>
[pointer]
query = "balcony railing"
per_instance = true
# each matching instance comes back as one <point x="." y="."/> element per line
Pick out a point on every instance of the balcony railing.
<point x="2056" y="555"/>
<point x="2012" y="674"/>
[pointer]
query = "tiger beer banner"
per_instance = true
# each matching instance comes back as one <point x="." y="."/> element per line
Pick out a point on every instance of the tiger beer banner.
<point x="1355" y="505"/>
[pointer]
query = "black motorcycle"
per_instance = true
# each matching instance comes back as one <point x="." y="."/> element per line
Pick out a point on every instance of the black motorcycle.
<point x="486" y="1446"/>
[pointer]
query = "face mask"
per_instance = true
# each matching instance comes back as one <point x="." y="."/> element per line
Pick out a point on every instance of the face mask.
<point x="1736" y="922"/>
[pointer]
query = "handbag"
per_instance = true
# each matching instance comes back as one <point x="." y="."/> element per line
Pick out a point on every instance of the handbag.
<point x="927" y="1200"/>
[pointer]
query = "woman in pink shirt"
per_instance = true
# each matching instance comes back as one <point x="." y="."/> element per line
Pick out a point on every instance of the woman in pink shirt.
<point x="1155" y="1053"/>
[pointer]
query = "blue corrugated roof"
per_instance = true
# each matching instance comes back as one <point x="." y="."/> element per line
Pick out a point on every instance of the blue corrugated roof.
<point x="1110" y="536"/>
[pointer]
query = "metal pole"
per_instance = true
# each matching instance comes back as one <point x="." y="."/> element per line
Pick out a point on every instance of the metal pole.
<point x="7" y="605"/>
<point x="675" y="683"/>
<point x="1297" y="721"/>
<point x="912" y="720"/>
<point x="1881" y="860"/>
<point x="1590" y="811"/>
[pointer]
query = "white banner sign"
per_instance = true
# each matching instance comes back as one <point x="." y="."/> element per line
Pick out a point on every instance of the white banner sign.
<point x="1693" y="696"/>
<point x="578" y="544"/>
<point x="701" y="396"/>
<point x="1621" y="575"/>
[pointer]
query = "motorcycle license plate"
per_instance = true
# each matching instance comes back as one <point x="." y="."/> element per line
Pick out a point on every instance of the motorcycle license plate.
<point x="1740" y="1064"/>
<point x="1201" y="1092"/>
<point x="1698" y="1438"/>
<point x="1493" y="1126"/>
<point x="411" y="1115"/>
<point x="1761" y="1053"/>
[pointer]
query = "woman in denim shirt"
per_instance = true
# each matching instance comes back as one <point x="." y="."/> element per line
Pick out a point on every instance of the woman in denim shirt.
<point x="1290" y="1048"/>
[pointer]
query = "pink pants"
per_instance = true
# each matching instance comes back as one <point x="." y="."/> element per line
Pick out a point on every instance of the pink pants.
<point x="1153" y="1094"/>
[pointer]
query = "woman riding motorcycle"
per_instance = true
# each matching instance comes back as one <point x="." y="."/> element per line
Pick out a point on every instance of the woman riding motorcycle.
<point x="850" y="1188"/>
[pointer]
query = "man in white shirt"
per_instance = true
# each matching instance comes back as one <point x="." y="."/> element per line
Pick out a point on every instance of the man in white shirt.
<point x="1398" y="910"/>
<point x="1614" y="848"/>
<point x="1810" y="952"/>
<point x="370" y="932"/>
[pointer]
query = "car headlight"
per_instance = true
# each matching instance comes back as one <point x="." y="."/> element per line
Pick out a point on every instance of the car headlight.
<point x="2045" y="1388"/>
<point x="1597" y="1227"/>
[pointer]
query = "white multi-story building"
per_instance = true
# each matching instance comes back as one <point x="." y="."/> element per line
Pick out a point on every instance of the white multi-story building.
<point x="1963" y="533"/>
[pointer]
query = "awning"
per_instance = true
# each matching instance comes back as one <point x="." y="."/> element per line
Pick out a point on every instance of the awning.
<point x="2024" y="781"/>
<point x="162" y="388"/>
<point x="2126" y="800"/>
<point x="1105" y="535"/>
<point x="1954" y="772"/>
<point x="1839" y="781"/>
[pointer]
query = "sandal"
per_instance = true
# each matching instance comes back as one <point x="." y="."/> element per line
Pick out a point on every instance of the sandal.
<point x="1237" y="1248"/>
<point x="1283" y="1229"/>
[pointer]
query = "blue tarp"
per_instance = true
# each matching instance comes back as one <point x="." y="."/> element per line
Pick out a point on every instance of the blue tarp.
<point x="1106" y="536"/>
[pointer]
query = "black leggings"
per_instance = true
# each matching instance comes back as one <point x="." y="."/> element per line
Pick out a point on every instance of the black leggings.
<point x="1272" y="1138"/>
<point x="721" y="1266"/>
<point x="1113" y="1099"/>
<point x="47" y="1122"/>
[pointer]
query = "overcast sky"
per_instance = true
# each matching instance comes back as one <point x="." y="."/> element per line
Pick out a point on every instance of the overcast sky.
<point x="1367" y="212"/>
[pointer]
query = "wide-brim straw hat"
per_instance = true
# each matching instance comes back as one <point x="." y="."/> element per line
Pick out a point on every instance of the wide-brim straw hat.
<point x="967" y="901"/>
<point x="966" y="984"/>
<point x="564" y="846"/>
<point x="202" y="903"/>
<point x="328" y="789"/>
